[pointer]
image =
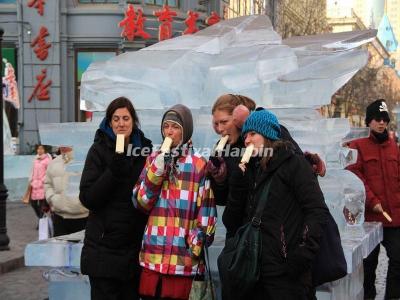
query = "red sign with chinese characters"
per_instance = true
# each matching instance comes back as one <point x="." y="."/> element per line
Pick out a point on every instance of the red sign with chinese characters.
<point x="38" y="4"/>
<point x="213" y="19"/>
<point x="133" y="24"/>
<point x="40" y="91"/>
<point x="191" y="22"/>
<point x="165" y="16"/>
<point x="40" y="44"/>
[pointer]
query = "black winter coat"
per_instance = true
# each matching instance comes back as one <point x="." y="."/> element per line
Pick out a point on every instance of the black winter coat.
<point x="294" y="215"/>
<point x="114" y="229"/>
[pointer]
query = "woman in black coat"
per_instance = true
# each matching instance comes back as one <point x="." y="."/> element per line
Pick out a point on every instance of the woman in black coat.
<point x="294" y="216"/>
<point x="226" y="121"/>
<point x="114" y="228"/>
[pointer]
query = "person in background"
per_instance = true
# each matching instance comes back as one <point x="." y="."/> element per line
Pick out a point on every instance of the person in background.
<point x="69" y="215"/>
<point x="115" y="227"/>
<point x="182" y="216"/>
<point x="378" y="166"/>
<point x="40" y="164"/>
<point x="293" y="219"/>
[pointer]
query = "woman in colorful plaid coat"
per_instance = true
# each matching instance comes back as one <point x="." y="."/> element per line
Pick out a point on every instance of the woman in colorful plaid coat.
<point x="182" y="213"/>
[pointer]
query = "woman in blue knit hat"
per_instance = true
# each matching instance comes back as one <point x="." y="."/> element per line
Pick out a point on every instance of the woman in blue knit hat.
<point x="293" y="219"/>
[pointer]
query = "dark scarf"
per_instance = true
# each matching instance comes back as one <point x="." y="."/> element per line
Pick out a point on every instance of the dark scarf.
<point x="381" y="137"/>
<point x="135" y="138"/>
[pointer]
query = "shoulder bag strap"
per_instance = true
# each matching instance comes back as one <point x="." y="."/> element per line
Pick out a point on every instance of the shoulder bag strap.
<point x="261" y="198"/>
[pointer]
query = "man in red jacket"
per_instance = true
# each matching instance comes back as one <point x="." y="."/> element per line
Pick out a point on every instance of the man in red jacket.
<point x="378" y="167"/>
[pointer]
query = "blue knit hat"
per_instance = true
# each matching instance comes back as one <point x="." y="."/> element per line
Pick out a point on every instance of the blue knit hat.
<point x="263" y="122"/>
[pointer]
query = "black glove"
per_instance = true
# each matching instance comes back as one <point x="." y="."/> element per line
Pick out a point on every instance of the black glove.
<point x="121" y="166"/>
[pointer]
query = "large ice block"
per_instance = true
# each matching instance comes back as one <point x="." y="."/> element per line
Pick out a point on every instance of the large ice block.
<point x="79" y="135"/>
<point x="243" y="56"/>
<point x="17" y="170"/>
<point x="344" y="195"/>
<point x="65" y="284"/>
<point x="63" y="251"/>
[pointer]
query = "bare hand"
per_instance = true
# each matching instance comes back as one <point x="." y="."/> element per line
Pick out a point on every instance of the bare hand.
<point x="378" y="209"/>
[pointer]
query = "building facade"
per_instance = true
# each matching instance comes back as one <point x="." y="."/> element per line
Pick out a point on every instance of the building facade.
<point x="52" y="42"/>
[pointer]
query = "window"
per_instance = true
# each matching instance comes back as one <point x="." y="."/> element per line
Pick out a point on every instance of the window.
<point x="98" y="1"/>
<point x="172" y="3"/>
<point x="83" y="58"/>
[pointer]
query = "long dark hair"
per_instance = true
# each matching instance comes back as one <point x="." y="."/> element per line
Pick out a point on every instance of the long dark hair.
<point x="275" y="146"/>
<point x="122" y="102"/>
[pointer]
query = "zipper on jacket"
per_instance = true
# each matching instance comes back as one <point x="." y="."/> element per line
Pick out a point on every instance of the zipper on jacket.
<point x="283" y="242"/>
<point x="305" y="234"/>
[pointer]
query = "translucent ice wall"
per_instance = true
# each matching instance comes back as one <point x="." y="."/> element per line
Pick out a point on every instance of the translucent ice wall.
<point x="242" y="56"/>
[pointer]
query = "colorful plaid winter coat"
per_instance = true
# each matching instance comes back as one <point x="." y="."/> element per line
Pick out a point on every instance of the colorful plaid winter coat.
<point x="182" y="215"/>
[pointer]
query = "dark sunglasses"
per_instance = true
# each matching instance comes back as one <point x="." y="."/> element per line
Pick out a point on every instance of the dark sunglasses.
<point x="384" y="119"/>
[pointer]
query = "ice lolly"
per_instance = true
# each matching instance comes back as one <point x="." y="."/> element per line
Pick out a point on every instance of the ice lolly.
<point x="247" y="154"/>
<point x="119" y="145"/>
<point x="221" y="144"/>
<point x="386" y="215"/>
<point x="166" y="145"/>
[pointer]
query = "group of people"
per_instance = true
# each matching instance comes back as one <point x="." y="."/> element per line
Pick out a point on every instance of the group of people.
<point x="151" y="215"/>
<point x="48" y="183"/>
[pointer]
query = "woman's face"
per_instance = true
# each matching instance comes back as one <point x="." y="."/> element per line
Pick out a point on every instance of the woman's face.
<point x="257" y="140"/>
<point x="40" y="150"/>
<point x="223" y="125"/>
<point x="122" y="122"/>
<point x="174" y="131"/>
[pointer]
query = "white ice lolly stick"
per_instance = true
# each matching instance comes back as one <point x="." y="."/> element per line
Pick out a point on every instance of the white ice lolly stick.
<point x="247" y="154"/>
<point x="221" y="144"/>
<point x="386" y="215"/>
<point x="119" y="145"/>
<point x="166" y="145"/>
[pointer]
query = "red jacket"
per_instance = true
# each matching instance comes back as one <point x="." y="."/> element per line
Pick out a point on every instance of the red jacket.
<point x="378" y="167"/>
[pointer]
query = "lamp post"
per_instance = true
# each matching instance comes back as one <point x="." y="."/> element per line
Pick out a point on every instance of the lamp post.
<point x="4" y="240"/>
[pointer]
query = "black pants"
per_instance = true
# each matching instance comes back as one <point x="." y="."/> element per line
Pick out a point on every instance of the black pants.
<point x="113" y="289"/>
<point x="67" y="226"/>
<point x="38" y="206"/>
<point x="391" y="242"/>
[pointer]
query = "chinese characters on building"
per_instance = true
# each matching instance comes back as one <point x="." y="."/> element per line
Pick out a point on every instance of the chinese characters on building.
<point x="40" y="47"/>
<point x="38" y="4"/>
<point x="40" y="91"/>
<point x="40" y="44"/>
<point x="134" y="23"/>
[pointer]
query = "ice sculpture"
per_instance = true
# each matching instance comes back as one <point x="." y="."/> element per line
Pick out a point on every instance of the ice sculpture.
<point x="293" y="77"/>
<point x="242" y="56"/>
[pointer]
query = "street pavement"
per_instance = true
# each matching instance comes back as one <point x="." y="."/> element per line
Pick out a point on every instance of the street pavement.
<point x="20" y="283"/>
<point x="16" y="281"/>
